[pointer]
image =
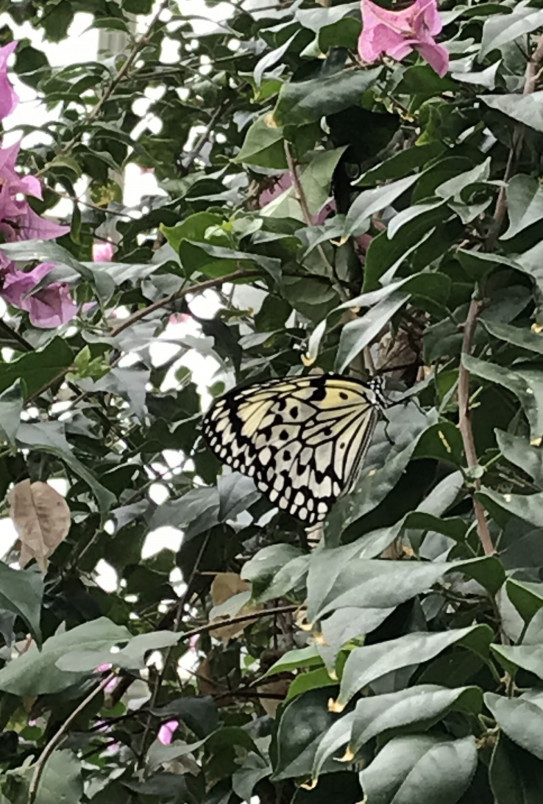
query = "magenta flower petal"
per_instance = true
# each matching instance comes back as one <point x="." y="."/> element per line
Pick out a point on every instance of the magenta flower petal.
<point x="397" y="33"/>
<point x="166" y="732"/>
<point x="32" y="227"/>
<point x="102" y="252"/>
<point x="8" y="96"/>
<point x="48" y="307"/>
<point x="437" y="57"/>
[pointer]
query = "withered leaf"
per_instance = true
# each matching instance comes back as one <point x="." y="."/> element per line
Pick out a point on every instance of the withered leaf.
<point x="42" y="519"/>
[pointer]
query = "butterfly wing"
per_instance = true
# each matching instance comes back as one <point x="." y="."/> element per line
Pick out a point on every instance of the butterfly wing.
<point x="302" y="439"/>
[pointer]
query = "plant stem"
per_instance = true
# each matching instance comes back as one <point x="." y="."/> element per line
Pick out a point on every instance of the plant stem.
<point x="205" y="629"/>
<point x="181" y="293"/>
<point x="57" y="738"/>
<point x="530" y="83"/>
<point x="464" y="424"/>
<point x="304" y="206"/>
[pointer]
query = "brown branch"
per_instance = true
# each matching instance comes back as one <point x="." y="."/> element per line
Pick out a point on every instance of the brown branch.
<point x="56" y="739"/>
<point x="517" y="138"/>
<point x="464" y="424"/>
<point x="304" y="206"/>
<point x="205" y="629"/>
<point x="179" y="294"/>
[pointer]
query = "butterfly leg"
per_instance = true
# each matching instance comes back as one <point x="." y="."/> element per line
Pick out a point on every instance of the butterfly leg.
<point x="385" y="417"/>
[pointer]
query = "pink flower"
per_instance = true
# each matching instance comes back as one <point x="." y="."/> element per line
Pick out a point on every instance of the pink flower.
<point x="397" y="33"/>
<point x="18" y="221"/>
<point x="166" y="732"/>
<point x="8" y="98"/>
<point x="49" y="307"/>
<point x="102" y="252"/>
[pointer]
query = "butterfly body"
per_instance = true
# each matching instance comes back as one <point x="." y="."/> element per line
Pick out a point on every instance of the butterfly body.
<point x="302" y="439"/>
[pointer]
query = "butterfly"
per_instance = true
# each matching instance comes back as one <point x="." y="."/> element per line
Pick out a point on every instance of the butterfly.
<point x="302" y="439"/>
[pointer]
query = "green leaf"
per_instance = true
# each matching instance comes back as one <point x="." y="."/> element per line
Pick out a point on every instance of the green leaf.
<point x="426" y="704"/>
<point x="527" y="657"/>
<point x="357" y="334"/>
<point x="307" y="101"/>
<point x="317" y="18"/>
<point x="516" y="777"/>
<point x="263" y="145"/>
<point x="131" y="657"/>
<point x="518" y="336"/>
<point x="411" y="770"/>
<point x="371" y="201"/>
<point x="315" y="178"/>
<point x="312" y="679"/>
<point x="247" y="777"/>
<point x="518" y="451"/>
<point x="525" y="109"/>
<point x="61" y="781"/>
<point x="35" y="672"/>
<point x="386" y="253"/>
<point x="159" y="754"/>
<point x="49" y="437"/>
<point x="524" y="202"/>
<point x="401" y="164"/>
<point x="520" y="718"/>
<point x="46" y="251"/>
<point x="36" y="369"/>
<point x="337" y="579"/>
<point x="528" y="507"/>
<point x="11" y="406"/>
<point x="295" y="660"/>
<point x="193" y="227"/>
<point x="369" y="663"/>
<point x="301" y="727"/>
<point x="503" y="28"/>
<point x="271" y="58"/>
<point x="526" y="597"/>
<point x="21" y="592"/>
<point x="218" y="261"/>
<point x="527" y="385"/>
<point x="199" y="714"/>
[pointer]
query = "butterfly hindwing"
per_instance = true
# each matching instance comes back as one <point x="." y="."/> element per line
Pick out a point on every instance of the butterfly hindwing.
<point x="302" y="439"/>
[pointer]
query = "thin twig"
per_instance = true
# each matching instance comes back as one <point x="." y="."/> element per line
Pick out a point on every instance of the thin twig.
<point x="57" y="738"/>
<point x="180" y="608"/>
<point x="181" y="293"/>
<point x="203" y="138"/>
<point x="302" y="200"/>
<point x="205" y="629"/>
<point x="464" y="424"/>
<point x="114" y="83"/>
<point x="531" y="76"/>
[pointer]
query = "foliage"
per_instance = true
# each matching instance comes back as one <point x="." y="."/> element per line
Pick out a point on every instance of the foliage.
<point x="317" y="211"/>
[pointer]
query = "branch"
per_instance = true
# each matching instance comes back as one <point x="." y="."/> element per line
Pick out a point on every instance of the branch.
<point x="464" y="424"/>
<point x="114" y="83"/>
<point x="205" y="629"/>
<point x="56" y="739"/>
<point x="530" y="83"/>
<point x="179" y="294"/>
<point x="304" y="206"/>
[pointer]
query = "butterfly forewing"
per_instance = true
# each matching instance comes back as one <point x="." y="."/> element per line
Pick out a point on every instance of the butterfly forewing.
<point x="302" y="439"/>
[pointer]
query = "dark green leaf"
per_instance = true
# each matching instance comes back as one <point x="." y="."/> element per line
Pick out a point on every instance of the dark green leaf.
<point x="410" y="770"/>
<point x="306" y="101"/>
<point x="367" y="664"/>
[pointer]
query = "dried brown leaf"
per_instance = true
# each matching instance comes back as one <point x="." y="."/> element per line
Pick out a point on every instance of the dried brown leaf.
<point x="42" y="519"/>
<point x="225" y="586"/>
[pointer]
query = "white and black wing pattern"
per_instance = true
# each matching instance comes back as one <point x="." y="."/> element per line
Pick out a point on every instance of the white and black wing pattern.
<point x="302" y="439"/>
